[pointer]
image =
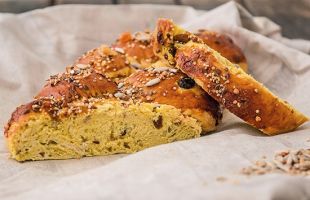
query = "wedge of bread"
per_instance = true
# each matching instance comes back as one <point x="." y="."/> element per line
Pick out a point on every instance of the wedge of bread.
<point x="94" y="108"/>
<point x="227" y="83"/>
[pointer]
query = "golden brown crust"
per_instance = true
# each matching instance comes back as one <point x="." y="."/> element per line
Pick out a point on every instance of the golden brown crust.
<point x="241" y="95"/>
<point x="225" y="46"/>
<point x="137" y="46"/>
<point x="86" y="78"/>
<point x="110" y="62"/>
<point x="68" y="88"/>
<point x="15" y="116"/>
<point x="229" y="85"/>
<point x="171" y="88"/>
<point x="52" y="98"/>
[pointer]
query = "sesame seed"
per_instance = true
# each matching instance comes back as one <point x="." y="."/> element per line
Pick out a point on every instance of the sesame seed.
<point x="256" y="90"/>
<point x="160" y="69"/>
<point x="239" y="105"/>
<point x="82" y="66"/>
<point x="257" y="111"/>
<point x="142" y="36"/>
<point x="135" y="65"/>
<point x="258" y="119"/>
<point x="128" y="92"/>
<point x="119" y="95"/>
<point x="235" y="102"/>
<point x="236" y="91"/>
<point x="173" y="70"/>
<point x="205" y="65"/>
<point x="120" y="85"/>
<point x="119" y="50"/>
<point x="35" y="107"/>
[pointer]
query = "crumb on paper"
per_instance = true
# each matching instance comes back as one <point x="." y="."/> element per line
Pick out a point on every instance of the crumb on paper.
<point x="221" y="179"/>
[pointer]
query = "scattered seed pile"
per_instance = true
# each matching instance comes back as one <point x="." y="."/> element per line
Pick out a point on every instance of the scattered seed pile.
<point x="294" y="162"/>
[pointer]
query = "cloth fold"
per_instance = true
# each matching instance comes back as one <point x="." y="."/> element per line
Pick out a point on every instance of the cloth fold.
<point x="39" y="43"/>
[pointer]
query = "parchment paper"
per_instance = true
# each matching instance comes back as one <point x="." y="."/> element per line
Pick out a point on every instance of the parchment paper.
<point x="37" y="44"/>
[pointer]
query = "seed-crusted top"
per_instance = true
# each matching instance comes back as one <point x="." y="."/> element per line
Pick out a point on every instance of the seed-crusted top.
<point x="99" y="73"/>
<point x="92" y="75"/>
<point x="137" y="46"/>
<point x="110" y="62"/>
<point x="162" y="85"/>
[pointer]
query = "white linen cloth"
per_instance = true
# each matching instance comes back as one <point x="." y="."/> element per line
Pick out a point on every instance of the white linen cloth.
<point x="40" y="43"/>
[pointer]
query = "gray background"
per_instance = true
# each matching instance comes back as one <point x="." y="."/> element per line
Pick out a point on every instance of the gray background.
<point x="292" y="15"/>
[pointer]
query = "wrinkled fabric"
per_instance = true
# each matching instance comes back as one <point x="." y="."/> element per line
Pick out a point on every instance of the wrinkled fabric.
<point x="40" y="43"/>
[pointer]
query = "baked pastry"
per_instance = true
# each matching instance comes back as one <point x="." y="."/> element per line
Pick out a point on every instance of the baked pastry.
<point x="237" y="91"/>
<point x="92" y="110"/>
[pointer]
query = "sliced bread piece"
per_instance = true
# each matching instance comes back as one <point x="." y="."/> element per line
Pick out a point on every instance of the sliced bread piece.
<point x="237" y="91"/>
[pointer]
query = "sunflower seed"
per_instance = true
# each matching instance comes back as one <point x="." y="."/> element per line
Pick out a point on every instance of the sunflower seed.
<point x="152" y="82"/>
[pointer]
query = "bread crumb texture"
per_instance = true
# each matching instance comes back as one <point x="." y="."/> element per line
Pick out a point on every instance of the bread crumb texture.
<point x="112" y="128"/>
